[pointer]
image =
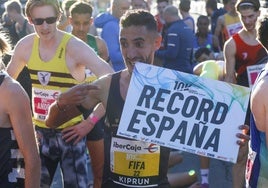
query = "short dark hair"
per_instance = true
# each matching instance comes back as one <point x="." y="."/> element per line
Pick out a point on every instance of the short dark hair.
<point x="202" y="17"/>
<point x="138" y="17"/>
<point x="81" y="8"/>
<point x="200" y="51"/>
<point x="160" y="1"/>
<point x="247" y="4"/>
<point x="262" y="30"/>
<point x="213" y="4"/>
<point x="185" y="5"/>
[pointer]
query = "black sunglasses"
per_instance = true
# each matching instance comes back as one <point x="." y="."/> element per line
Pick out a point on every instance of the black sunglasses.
<point x="40" y="21"/>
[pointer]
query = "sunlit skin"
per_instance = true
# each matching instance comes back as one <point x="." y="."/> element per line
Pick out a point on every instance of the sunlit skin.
<point x="44" y="31"/>
<point x="259" y="106"/>
<point x="81" y="24"/>
<point x="138" y="45"/>
<point x="249" y="19"/>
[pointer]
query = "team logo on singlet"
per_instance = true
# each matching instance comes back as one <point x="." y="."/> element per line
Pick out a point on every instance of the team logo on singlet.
<point x="152" y="148"/>
<point x="245" y="55"/>
<point x="44" y="77"/>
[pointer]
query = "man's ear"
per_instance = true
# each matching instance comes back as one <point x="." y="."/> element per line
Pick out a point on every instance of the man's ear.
<point x="91" y="21"/>
<point x="30" y="20"/>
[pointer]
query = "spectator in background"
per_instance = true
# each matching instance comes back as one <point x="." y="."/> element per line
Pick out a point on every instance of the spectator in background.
<point x="161" y="5"/>
<point x="23" y="28"/>
<point x="214" y="12"/>
<point x="15" y="13"/>
<point x="81" y="20"/>
<point x="228" y="24"/>
<point x="64" y="24"/>
<point x="178" y="42"/>
<point x="240" y="51"/>
<point x="203" y="38"/>
<point x="184" y="7"/>
<point x="109" y="23"/>
<point x="8" y="26"/>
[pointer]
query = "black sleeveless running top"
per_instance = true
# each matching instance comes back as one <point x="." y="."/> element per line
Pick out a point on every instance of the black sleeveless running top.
<point x="11" y="160"/>
<point x="141" y="171"/>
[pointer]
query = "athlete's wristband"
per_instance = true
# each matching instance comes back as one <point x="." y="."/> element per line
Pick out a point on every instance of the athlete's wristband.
<point x="94" y="119"/>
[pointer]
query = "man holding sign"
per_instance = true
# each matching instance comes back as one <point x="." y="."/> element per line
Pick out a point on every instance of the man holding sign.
<point x="128" y="162"/>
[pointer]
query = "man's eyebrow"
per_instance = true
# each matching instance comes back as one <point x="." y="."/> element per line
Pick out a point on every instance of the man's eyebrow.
<point x="139" y="38"/>
<point x="136" y="39"/>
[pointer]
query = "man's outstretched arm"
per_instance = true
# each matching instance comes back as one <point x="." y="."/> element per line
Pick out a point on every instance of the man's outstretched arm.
<point x="67" y="105"/>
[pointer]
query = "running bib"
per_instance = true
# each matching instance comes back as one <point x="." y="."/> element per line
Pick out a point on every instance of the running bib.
<point x="250" y="161"/>
<point x="233" y="28"/>
<point x="42" y="99"/>
<point x="134" y="163"/>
